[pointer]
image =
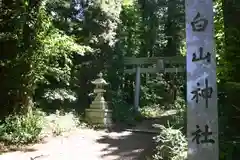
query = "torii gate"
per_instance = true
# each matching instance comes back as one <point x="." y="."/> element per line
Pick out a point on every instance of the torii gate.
<point x="159" y="62"/>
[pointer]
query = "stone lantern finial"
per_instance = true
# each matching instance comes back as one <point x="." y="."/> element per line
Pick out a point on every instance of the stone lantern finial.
<point x="99" y="82"/>
<point x="100" y="75"/>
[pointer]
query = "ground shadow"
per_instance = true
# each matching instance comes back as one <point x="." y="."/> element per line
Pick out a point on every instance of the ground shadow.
<point x="127" y="145"/>
<point x="134" y="143"/>
<point x="135" y="146"/>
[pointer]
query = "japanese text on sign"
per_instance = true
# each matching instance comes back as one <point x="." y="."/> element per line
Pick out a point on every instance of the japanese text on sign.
<point x="205" y="93"/>
<point x="199" y="23"/>
<point x="198" y="134"/>
<point x="202" y="114"/>
<point x="201" y="56"/>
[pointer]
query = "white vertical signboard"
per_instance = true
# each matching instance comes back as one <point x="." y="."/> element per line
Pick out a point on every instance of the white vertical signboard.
<point x="202" y="114"/>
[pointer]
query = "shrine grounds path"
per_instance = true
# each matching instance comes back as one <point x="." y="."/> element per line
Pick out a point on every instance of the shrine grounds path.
<point x="88" y="144"/>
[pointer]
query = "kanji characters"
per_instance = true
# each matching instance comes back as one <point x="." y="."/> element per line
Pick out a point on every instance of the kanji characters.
<point x="201" y="56"/>
<point x="199" y="23"/>
<point x="205" y="93"/>
<point x="198" y="134"/>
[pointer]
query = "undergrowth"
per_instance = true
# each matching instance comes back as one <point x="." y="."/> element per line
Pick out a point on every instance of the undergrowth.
<point x="171" y="145"/>
<point x="31" y="128"/>
<point x="171" y="142"/>
<point x="22" y="129"/>
<point x="122" y="111"/>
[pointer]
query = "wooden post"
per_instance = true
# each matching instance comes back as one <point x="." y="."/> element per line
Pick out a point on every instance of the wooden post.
<point x="202" y="114"/>
<point x="148" y="75"/>
<point x="137" y="88"/>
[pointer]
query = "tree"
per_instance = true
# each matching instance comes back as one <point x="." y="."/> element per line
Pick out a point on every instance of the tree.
<point x="35" y="43"/>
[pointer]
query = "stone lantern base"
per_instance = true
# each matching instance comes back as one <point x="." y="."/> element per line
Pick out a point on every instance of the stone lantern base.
<point x="98" y="116"/>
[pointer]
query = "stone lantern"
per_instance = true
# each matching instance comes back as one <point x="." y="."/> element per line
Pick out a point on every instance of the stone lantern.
<point x="98" y="113"/>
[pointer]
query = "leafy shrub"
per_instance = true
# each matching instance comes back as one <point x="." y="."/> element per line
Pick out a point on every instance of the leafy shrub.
<point x="29" y="128"/>
<point x="60" y="94"/>
<point x="171" y="145"/>
<point x="21" y="129"/>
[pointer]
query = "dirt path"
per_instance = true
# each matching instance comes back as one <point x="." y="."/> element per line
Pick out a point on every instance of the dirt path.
<point x="87" y="144"/>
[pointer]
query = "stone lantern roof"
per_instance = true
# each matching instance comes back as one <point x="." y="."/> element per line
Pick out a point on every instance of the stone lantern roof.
<point x="100" y="80"/>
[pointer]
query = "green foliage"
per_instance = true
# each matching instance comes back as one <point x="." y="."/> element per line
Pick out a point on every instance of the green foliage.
<point x="60" y="94"/>
<point x="21" y="129"/>
<point x="130" y="31"/>
<point x="228" y="130"/>
<point x="220" y="41"/>
<point x="152" y="111"/>
<point x="155" y="92"/>
<point x="158" y="92"/>
<point x="227" y="49"/>
<point x="54" y="55"/>
<point x="227" y="151"/>
<point x="53" y="39"/>
<point x="52" y="49"/>
<point x="29" y="128"/>
<point x="178" y="120"/>
<point x="43" y="56"/>
<point x="171" y="145"/>
<point x="229" y="33"/>
<point x="54" y="62"/>
<point x="122" y="111"/>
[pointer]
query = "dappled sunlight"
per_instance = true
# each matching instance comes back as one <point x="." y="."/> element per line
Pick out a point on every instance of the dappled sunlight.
<point x="89" y="144"/>
<point x="126" y="146"/>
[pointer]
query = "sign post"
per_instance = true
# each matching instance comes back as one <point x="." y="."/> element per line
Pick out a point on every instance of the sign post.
<point x="202" y="114"/>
